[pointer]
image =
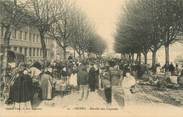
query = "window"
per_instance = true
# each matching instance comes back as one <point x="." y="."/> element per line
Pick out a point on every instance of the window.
<point x="40" y="52"/>
<point x="25" y="52"/>
<point x="20" y="35"/>
<point x="25" y="36"/>
<point x="33" y="37"/>
<point x="30" y="36"/>
<point x="30" y="51"/>
<point x="37" y="51"/>
<point x="15" y="48"/>
<point x="20" y="50"/>
<point x="46" y="53"/>
<point x="34" y="52"/>
<point x="37" y="38"/>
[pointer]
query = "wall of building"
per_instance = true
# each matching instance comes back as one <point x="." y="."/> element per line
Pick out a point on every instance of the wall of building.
<point x="27" y="42"/>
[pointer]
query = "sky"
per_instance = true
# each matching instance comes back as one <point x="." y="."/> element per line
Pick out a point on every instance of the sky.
<point x="104" y="15"/>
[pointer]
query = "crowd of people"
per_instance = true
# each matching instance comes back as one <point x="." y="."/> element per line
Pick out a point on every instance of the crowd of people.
<point x="49" y="79"/>
<point x="45" y="80"/>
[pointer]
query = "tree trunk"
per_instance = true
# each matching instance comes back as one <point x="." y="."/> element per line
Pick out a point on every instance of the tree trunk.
<point x="74" y="53"/>
<point x="43" y="44"/>
<point x="133" y="58"/>
<point x="129" y="57"/>
<point x="167" y="56"/>
<point x="65" y="52"/>
<point x="145" y="57"/>
<point x="140" y="58"/>
<point x="154" y="58"/>
<point x="6" y="48"/>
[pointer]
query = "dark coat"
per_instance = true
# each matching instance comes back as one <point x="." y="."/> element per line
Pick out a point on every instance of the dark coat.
<point x="92" y="76"/>
<point x="21" y="90"/>
<point x="82" y="77"/>
<point x="65" y="73"/>
<point x="171" y="68"/>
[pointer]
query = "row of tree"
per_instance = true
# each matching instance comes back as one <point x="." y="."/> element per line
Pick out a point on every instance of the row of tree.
<point x="147" y="25"/>
<point x="61" y="20"/>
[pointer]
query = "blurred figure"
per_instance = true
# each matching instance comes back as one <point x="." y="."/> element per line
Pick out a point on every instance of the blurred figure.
<point x="21" y="92"/>
<point x="92" y="78"/>
<point x="128" y="82"/>
<point x="177" y="70"/>
<point x="106" y="81"/>
<point x="180" y="79"/>
<point x="73" y="81"/>
<point x="83" y="82"/>
<point x="64" y="72"/>
<point x="172" y="69"/>
<point x="46" y="85"/>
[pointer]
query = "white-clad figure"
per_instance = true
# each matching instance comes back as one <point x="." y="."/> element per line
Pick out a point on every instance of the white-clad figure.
<point x="73" y="80"/>
<point x="158" y="70"/>
<point x="127" y="83"/>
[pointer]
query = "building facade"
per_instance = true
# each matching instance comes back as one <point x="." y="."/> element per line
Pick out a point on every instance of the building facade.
<point x="27" y="41"/>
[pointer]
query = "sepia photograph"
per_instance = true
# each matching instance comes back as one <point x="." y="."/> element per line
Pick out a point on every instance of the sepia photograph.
<point x="84" y="58"/>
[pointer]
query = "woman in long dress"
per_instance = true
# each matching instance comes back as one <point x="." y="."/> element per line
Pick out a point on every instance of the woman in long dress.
<point x="21" y="93"/>
<point x="73" y="81"/>
<point x="92" y="79"/>
<point x="127" y="83"/>
<point x="46" y="85"/>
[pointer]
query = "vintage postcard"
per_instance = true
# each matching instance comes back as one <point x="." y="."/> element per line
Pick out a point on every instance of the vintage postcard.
<point x="72" y="58"/>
